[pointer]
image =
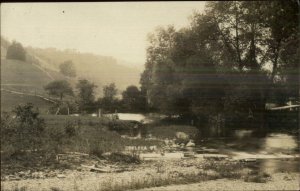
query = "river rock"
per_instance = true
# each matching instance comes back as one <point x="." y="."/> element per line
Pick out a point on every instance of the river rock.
<point x="174" y="145"/>
<point x="14" y="178"/>
<point x="190" y="144"/>
<point x="249" y="160"/>
<point x="182" y="145"/>
<point x="182" y="135"/>
<point x="61" y="176"/>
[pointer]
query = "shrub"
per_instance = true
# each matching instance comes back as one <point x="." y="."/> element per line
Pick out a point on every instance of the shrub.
<point x="70" y="129"/>
<point x="258" y="177"/>
<point x="24" y="131"/>
<point x="123" y="158"/>
<point x="96" y="152"/>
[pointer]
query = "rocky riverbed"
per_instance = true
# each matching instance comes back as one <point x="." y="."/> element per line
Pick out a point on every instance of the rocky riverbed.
<point x="172" y="174"/>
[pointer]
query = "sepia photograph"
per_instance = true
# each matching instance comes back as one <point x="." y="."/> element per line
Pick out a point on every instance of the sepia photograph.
<point x="150" y="96"/>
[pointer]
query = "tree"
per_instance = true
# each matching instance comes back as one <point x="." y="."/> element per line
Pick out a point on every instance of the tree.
<point x="219" y="64"/>
<point x="59" y="88"/>
<point x="159" y="68"/>
<point x="86" y="94"/>
<point x="67" y="68"/>
<point x="16" y="51"/>
<point x="133" y="99"/>
<point x="109" y="102"/>
<point x="110" y="91"/>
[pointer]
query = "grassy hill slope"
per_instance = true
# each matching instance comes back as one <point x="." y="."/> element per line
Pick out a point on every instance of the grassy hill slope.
<point x="9" y="101"/>
<point x="42" y="67"/>
<point x="23" y="76"/>
<point x="101" y="70"/>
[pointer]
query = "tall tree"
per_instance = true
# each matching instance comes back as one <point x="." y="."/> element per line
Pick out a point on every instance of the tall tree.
<point x="86" y="94"/>
<point x="109" y="101"/>
<point x="110" y="91"/>
<point x="133" y="99"/>
<point x="16" y="51"/>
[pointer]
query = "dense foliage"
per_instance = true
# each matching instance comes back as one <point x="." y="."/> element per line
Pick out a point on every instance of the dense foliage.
<point x="232" y="60"/>
<point x="133" y="100"/>
<point x="86" y="95"/>
<point x="24" y="132"/>
<point x="16" y="51"/>
<point x="59" y="88"/>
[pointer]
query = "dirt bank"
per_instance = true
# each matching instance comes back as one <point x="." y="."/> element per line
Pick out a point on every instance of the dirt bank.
<point x="181" y="174"/>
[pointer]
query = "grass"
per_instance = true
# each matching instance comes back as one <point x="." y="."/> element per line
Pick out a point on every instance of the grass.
<point x="233" y="170"/>
<point x="224" y="169"/>
<point x="93" y="133"/>
<point x="150" y="181"/>
<point x="9" y="101"/>
<point x="258" y="177"/>
<point x="14" y="72"/>
<point x="62" y="134"/>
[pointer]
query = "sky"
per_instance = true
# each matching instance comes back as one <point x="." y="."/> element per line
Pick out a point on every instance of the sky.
<point x="117" y="29"/>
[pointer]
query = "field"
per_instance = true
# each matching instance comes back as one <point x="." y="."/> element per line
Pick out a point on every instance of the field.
<point x="9" y="101"/>
<point x="63" y="134"/>
<point x="24" y="77"/>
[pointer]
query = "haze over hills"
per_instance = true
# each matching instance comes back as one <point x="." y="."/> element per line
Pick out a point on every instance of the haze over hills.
<point x="101" y="70"/>
<point x="22" y="81"/>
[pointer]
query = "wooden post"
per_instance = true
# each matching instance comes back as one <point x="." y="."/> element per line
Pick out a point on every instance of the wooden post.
<point x="57" y="111"/>
<point x="99" y="113"/>
<point x="68" y="110"/>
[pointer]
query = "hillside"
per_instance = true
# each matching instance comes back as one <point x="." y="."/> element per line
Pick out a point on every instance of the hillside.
<point x="24" y="77"/>
<point x="42" y="66"/>
<point x="10" y="100"/>
<point x="23" y="82"/>
<point x="101" y="70"/>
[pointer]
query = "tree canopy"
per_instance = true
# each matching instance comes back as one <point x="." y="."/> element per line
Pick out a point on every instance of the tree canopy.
<point x="67" y="68"/>
<point x="109" y="101"/>
<point x="133" y="99"/>
<point x="16" y="51"/>
<point x="59" y="88"/>
<point x="86" y="94"/>
<point x="229" y="60"/>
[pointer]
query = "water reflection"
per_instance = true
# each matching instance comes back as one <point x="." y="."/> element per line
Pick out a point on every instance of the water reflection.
<point x="280" y="143"/>
<point x="273" y="152"/>
<point x="279" y="165"/>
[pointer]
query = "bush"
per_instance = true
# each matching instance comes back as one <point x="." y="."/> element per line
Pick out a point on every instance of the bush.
<point x="24" y="131"/>
<point x="258" y="177"/>
<point x="123" y="158"/>
<point x="96" y="152"/>
<point x="70" y="129"/>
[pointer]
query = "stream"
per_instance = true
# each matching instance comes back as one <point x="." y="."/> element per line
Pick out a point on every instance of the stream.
<point x="271" y="152"/>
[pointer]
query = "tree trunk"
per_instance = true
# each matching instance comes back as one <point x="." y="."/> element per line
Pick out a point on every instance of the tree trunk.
<point x="275" y="61"/>
<point x="58" y="109"/>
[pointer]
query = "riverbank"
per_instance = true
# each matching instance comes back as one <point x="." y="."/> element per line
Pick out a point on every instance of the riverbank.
<point x="279" y="181"/>
<point x="173" y="174"/>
